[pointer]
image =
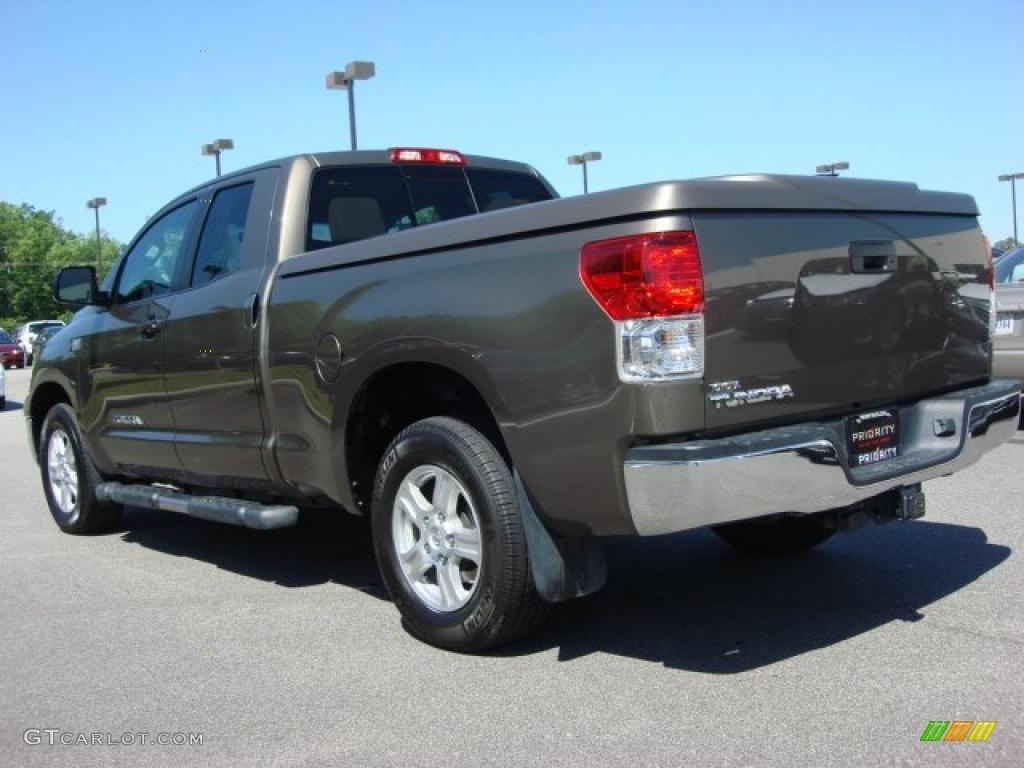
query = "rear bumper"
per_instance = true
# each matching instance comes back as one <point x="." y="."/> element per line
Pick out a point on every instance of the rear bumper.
<point x="804" y="468"/>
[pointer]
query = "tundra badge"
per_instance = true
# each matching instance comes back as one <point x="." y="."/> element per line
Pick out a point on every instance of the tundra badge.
<point x="729" y="394"/>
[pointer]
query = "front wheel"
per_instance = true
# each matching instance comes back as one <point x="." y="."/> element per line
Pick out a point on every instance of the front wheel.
<point x="449" y="538"/>
<point x="69" y="478"/>
<point x="774" y="536"/>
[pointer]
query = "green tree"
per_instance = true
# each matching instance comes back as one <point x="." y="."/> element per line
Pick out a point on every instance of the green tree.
<point x="1005" y="244"/>
<point x="33" y="246"/>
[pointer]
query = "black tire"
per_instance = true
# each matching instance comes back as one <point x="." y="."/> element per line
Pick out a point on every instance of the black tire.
<point x="503" y="604"/>
<point x="88" y="514"/>
<point x="775" y="536"/>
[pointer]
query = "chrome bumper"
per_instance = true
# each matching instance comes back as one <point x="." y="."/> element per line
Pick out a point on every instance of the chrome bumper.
<point x="804" y="468"/>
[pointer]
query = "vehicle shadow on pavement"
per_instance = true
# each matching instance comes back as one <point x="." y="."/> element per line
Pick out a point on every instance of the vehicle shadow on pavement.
<point x="324" y="547"/>
<point x="12" y="405"/>
<point x="690" y="602"/>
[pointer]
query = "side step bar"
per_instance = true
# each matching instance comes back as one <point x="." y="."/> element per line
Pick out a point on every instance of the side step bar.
<point x="218" y="509"/>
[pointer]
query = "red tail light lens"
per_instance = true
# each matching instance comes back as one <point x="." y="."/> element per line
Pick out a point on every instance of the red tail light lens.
<point x="427" y="156"/>
<point x="651" y="275"/>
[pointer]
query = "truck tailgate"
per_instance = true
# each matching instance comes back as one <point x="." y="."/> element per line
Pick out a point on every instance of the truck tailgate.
<point x="822" y="312"/>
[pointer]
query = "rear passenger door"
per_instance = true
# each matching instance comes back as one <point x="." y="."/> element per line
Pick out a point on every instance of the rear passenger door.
<point x="211" y="340"/>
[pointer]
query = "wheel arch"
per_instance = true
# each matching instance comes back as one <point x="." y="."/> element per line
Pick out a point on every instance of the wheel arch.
<point x="398" y="394"/>
<point x="44" y="396"/>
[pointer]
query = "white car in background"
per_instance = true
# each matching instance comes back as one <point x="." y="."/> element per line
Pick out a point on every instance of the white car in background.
<point x="26" y="334"/>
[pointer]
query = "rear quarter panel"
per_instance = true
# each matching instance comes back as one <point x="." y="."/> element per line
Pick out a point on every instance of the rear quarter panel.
<point x="513" y="318"/>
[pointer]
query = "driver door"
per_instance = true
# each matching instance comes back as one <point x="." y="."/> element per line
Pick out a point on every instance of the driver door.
<point x="127" y="414"/>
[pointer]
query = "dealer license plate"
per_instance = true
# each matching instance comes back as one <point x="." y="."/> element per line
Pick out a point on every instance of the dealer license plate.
<point x="873" y="437"/>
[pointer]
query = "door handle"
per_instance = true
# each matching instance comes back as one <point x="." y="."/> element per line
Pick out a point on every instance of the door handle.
<point x="152" y="328"/>
<point x="872" y="256"/>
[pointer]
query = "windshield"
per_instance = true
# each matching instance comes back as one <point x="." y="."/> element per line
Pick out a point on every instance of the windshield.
<point x="37" y="327"/>
<point x="1010" y="268"/>
<point x="5" y="338"/>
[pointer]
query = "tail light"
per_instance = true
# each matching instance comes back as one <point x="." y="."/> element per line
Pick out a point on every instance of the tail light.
<point x="652" y="287"/>
<point x="426" y="156"/>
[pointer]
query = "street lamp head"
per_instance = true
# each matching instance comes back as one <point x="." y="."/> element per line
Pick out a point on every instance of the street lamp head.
<point x="209" y="149"/>
<point x="831" y="168"/>
<point x="591" y="156"/>
<point x="222" y="144"/>
<point x="575" y="159"/>
<point x="96" y="202"/>
<point x="337" y="81"/>
<point x="360" y="70"/>
<point x="1011" y="176"/>
<point x="354" y="70"/>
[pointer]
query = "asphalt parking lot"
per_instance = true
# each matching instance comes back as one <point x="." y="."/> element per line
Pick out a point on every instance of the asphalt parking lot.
<point x="282" y="649"/>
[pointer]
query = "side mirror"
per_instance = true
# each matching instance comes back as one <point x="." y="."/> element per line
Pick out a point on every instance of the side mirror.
<point x="76" y="287"/>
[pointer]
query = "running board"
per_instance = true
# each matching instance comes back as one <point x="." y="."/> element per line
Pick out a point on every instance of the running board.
<point x="217" y="509"/>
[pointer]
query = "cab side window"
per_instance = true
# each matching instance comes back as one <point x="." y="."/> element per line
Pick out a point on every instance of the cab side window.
<point x="220" y="245"/>
<point x="150" y="265"/>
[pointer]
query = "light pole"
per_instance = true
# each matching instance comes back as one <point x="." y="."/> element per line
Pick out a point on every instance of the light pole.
<point x="346" y="81"/>
<point x="216" y="148"/>
<point x="1012" y="178"/>
<point x="832" y="169"/>
<point x="95" y="204"/>
<point x="586" y="157"/>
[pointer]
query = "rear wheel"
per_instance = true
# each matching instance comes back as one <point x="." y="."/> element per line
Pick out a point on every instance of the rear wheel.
<point x="775" y="536"/>
<point x="449" y="538"/>
<point x="69" y="478"/>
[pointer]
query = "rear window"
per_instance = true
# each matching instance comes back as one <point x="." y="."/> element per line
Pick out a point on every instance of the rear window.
<point x="495" y="190"/>
<point x="37" y="327"/>
<point x="353" y="203"/>
<point x="5" y="338"/>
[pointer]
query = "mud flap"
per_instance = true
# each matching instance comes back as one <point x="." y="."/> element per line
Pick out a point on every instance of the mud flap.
<point x="563" y="568"/>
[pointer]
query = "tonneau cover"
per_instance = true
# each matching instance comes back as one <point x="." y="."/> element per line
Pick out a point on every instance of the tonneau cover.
<point x="725" y="193"/>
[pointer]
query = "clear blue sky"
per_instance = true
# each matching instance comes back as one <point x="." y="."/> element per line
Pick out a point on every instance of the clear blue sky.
<point x="115" y="99"/>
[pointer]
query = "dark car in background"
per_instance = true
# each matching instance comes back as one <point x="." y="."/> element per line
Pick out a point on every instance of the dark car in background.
<point x="11" y="353"/>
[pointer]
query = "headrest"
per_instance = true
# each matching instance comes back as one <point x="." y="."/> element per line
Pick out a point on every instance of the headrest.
<point x="354" y="218"/>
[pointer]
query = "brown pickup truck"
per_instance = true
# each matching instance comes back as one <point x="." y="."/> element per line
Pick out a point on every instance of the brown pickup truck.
<point x="498" y="378"/>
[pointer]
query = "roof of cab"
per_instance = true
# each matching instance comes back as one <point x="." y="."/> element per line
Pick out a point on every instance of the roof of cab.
<point x="358" y="157"/>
